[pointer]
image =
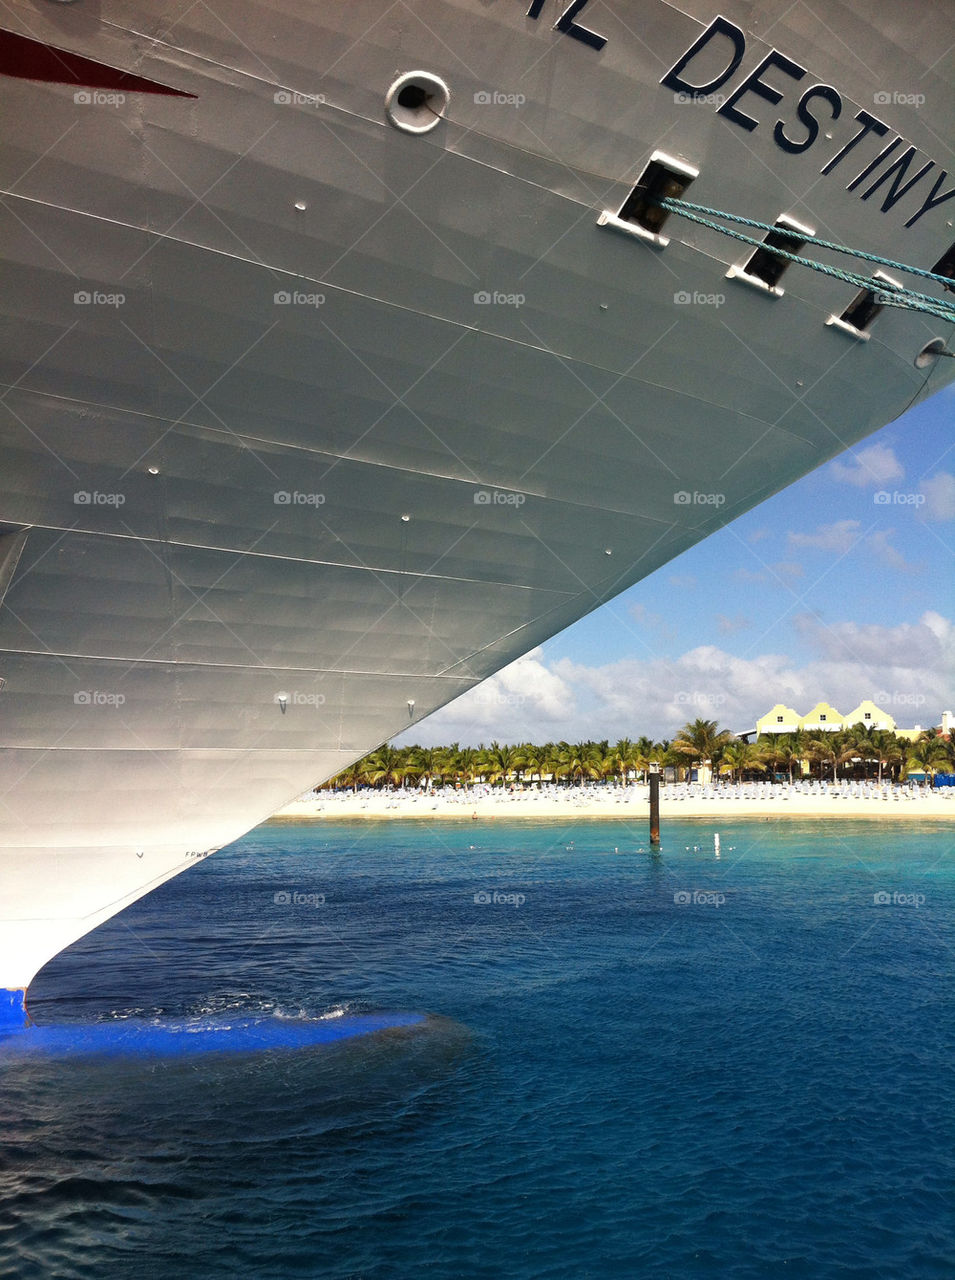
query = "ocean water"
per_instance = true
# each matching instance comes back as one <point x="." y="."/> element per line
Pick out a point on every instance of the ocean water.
<point x="632" y="1065"/>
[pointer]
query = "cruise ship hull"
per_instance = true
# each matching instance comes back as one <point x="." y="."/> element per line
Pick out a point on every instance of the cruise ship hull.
<point x="312" y="421"/>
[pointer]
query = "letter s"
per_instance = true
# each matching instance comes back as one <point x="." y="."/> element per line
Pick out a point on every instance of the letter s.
<point x="808" y="119"/>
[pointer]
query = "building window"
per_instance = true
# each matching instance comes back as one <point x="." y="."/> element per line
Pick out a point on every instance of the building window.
<point x="779" y="719"/>
<point x="868" y="715"/>
<point x="821" y="718"/>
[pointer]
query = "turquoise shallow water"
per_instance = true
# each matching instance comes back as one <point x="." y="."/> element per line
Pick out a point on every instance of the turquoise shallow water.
<point x="670" y="1066"/>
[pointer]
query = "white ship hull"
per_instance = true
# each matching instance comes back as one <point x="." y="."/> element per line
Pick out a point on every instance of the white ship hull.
<point x="286" y="555"/>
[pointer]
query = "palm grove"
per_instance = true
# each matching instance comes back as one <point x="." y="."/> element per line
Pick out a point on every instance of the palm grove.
<point x="857" y="753"/>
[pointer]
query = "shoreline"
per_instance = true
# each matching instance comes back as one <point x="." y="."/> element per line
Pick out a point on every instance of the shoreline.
<point x="624" y="804"/>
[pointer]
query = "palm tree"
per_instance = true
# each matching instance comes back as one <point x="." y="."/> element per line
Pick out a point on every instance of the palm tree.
<point x="831" y="748"/>
<point x="929" y="754"/>
<point x="887" y="749"/>
<point x="466" y="766"/>
<point x="427" y="762"/>
<point x="578" y="760"/>
<point x="793" y="749"/>
<point x="624" y="758"/>
<point x="499" y="762"/>
<point x="700" y="741"/>
<point x="739" y="756"/>
<point x="384" y="767"/>
<point x="860" y="738"/>
<point x="532" y="761"/>
<point x="773" y="747"/>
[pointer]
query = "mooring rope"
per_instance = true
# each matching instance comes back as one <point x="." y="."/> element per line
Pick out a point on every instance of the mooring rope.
<point x="903" y="297"/>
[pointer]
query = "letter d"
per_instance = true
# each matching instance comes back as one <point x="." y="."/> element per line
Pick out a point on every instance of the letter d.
<point x="718" y="27"/>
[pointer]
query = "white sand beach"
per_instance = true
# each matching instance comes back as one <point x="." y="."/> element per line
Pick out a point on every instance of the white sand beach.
<point x="752" y="800"/>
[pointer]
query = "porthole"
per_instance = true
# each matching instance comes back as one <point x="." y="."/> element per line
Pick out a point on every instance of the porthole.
<point x="416" y="101"/>
<point x="930" y="353"/>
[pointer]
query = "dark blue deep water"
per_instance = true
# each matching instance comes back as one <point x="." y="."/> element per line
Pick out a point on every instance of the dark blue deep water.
<point x="633" y="1066"/>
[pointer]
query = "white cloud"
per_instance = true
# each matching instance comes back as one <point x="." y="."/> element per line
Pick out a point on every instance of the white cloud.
<point x="727" y="626"/>
<point x="843" y="536"/>
<point x="788" y="569"/>
<point x="840" y="536"/>
<point x="880" y="546"/>
<point x="537" y="700"/>
<point x="908" y="645"/>
<point x="939" y="491"/>
<point x="526" y="691"/>
<point x="876" y="465"/>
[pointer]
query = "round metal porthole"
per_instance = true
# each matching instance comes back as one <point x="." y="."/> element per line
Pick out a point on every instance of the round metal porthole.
<point x="930" y="353"/>
<point x="416" y="101"/>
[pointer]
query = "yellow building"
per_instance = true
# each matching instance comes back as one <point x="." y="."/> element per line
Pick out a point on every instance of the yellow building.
<point x="868" y="713"/>
<point x="781" y="719"/>
<point x="822" y="718"/>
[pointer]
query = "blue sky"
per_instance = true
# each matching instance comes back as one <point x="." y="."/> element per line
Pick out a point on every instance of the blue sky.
<point x="821" y="592"/>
